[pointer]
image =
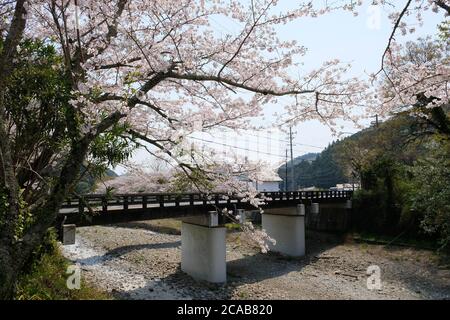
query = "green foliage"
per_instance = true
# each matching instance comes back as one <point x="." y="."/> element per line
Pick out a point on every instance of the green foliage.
<point x="233" y="226"/>
<point x="45" y="277"/>
<point x="405" y="183"/>
<point x="107" y="150"/>
<point x="83" y="187"/>
<point x="44" y="130"/>
<point x="404" y="177"/>
<point x="404" y="163"/>
<point x="90" y="176"/>
<point x="444" y="32"/>
<point x="325" y="172"/>
<point x="431" y="194"/>
<point x="320" y="171"/>
<point x="37" y="98"/>
<point x="37" y="102"/>
<point x="381" y="206"/>
<point x="197" y="178"/>
<point x="25" y="217"/>
<point x="3" y="206"/>
<point x="112" y="148"/>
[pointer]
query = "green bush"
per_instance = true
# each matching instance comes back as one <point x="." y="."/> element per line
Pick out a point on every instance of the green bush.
<point x="431" y="195"/>
<point x="25" y="218"/>
<point x="45" y="276"/>
<point x="408" y="200"/>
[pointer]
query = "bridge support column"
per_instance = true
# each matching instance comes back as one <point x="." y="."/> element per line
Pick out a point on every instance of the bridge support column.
<point x="242" y="216"/>
<point x="287" y="227"/>
<point x="348" y="204"/>
<point x="203" y="251"/>
<point x="68" y="234"/>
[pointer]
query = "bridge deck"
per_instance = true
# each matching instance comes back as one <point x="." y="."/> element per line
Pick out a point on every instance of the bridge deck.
<point x="99" y="209"/>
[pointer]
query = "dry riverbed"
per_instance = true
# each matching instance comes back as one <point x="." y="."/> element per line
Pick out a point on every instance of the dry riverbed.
<point x="135" y="262"/>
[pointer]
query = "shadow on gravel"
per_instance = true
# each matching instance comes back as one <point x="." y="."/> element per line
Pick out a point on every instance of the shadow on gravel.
<point x="246" y="270"/>
<point x="147" y="225"/>
<point x="249" y="269"/>
<point x="428" y="276"/>
<point x="113" y="254"/>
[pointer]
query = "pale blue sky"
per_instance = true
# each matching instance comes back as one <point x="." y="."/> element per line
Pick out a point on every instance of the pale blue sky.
<point x="351" y="39"/>
<point x="336" y="35"/>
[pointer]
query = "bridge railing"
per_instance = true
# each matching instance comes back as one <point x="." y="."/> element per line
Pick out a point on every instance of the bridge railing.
<point x="102" y="203"/>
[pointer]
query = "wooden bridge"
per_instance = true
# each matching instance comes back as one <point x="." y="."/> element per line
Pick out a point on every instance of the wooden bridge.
<point x="96" y="209"/>
<point x="203" y="241"/>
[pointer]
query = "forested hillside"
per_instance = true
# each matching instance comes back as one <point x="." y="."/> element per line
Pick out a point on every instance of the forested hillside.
<point x="344" y="160"/>
<point x="403" y="166"/>
<point x="89" y="180"/>
<point x="312" y="169"/>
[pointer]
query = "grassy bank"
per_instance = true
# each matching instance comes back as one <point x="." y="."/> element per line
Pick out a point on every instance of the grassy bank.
<point x="46" y="279"/>
<point x="373" y="238"/>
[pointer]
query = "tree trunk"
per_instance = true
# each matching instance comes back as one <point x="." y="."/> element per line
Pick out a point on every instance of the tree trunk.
<point x="14" y="253"/>
<point x="11" y="266"/>
<point x="8" y="274"/>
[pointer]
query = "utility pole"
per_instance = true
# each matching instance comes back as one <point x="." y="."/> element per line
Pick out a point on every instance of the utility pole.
<point x="292" y="160"/>
<point x="377" y="122"/>
<point x="286" y="172"/>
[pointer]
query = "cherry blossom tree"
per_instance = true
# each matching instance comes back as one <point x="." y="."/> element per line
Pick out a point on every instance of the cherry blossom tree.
<point x="414" y="76"/>
<point x="417" y="82"/>
<point x="151" y="72"/>
<point x="156" y="68"/>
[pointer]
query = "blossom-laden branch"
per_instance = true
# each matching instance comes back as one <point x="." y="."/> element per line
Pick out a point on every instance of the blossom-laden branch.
<point x="169" y="61"/>
<point x="164" y="70"/>
<point x="417" y="73"/>
<point x="402" y="82"/>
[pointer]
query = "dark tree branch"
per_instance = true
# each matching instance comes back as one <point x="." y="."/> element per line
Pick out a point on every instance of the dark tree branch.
<point x="199" y="77"/>
<point x="391" y="37"/>
<point x="8" y="178"/>
<point x="443" y="5"/>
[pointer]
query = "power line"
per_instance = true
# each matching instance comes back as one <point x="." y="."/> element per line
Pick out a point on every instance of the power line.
<point x="242" y="139"/>
<point x="321" y="178"/>
<point x="285" y="141"/>
<point x="284" y="98"/>
<point x="236" y="147"/>
<point x="255" y="151"/>
<point x="286" y="177"/>
<point x="292" y="160"/>
<point x="224" y="28"/>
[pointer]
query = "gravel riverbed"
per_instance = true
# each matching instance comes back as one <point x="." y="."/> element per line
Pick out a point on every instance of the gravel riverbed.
<point x="137" y="263"/>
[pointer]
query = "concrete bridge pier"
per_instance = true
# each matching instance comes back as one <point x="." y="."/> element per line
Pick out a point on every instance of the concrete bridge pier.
<point x="329" y="216"/>
<point x="203" y="248"/>
<point x="287" y="227"/>
<point x="315" y="208"/>
<point x="242" y="215"/>
<point x="348" y="204"/>
<point x="313" y="217"/>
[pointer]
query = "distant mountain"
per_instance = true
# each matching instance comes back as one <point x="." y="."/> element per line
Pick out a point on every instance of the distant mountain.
<point x="313" y="169"/>
<point x="88" y="182"/>
<point x="306" y="157"/>
<point x="111" y="173"/>
<point x="323" y="171"/>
